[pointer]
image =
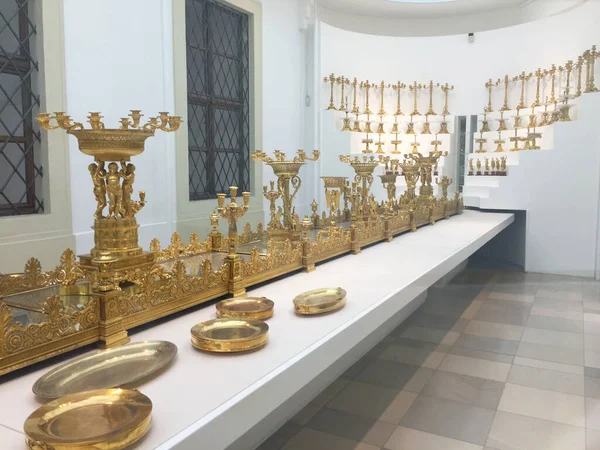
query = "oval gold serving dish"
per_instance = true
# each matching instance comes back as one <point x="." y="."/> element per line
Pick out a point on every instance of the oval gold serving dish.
<point x="229" y="335"/>
<point x="256" y="308"/>
<point x="320" y="301"/>
<point x="114" y="367"/>
<point x="107" y="419"/>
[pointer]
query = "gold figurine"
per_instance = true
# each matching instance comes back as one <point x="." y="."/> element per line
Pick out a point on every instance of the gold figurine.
<point x="331" y="80"/>
<point x="478" y="166"/>
<point x="487" y="167"/>
<point x="471" y="170"/>
<point x="444" y="184"/>
<point x="272" y="196"/>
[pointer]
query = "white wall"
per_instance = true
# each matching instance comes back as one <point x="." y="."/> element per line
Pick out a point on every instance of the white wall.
<point x="453" y="59"/>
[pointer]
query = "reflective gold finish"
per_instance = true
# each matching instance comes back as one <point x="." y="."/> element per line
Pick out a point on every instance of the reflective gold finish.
<point x="398" y="88"/>
<point x="446" y="89"/>
<point x="506" y="81"/>
<point x="346" y="123"/>
<point x="107" y="419"/>
<point x="320" y="301"/>
<point x="484" y="124"/>
<point x="444" y="126"/>
<point x="112" y="368"/>
<point x="444" y="183"/>
<point x="355" y="86"/>
<point x="426" y="126"/>
<point x="414" y="88"/>
<point x="367" y="86"/>
<point x="430" y="111"/>
<point x="343" y="82"/>
<point x="524" y="78"/>
<point x="579" y="66"/>
<point x="478" y="167"/>
<point x="539" y="74"/>
<point x="489" y="85"/>
<point x="552" y="73"/>
<point x="247" y="308"/>
<point x="331" y="80"/>
<point x="502" y="122"/>
<point x="229" y="335"/>
<point x="487" y="167"/>
<point x="356" y="127"/>
<point x="481" y="141"/>
<point x="334" y="187"/>
<point x="471" y="170"/>
<point x="569" y="70"/>
<point x="272" y="195"/>
<point x="381" y="88"/>
<point x="367" y="141"/>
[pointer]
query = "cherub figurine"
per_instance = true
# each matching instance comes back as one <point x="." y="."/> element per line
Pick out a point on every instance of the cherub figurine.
<point x="98" y="174"/>
<point x="115" y="192"/>
<point x="478" y="167"/>
<point x="128" y="175"/>
<point x="487" y="165"/>
<point x="471" y="166"/>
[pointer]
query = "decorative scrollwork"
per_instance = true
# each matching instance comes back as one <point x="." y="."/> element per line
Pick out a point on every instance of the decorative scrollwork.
<point x="330" y="240"/>
<point x="284" y="254"/>
<point x="178" y="249"/>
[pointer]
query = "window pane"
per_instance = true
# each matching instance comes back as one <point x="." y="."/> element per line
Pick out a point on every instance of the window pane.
<point x="225" y="76"/>
<point x="9" y="40"/>
<point x="11" y="105"/>
<point x="226" y="167"/>
<point x="12" y="182"/>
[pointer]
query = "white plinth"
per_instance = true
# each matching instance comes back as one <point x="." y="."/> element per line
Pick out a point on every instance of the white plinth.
<point x="207" y="401"/>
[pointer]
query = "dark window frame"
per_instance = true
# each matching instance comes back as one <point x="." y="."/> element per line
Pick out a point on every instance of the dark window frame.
<point x="22" y="64"/>
<point x="218" y="60"/>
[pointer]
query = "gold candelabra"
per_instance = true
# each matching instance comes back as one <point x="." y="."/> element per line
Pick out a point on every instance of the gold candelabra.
<point x="426" y="163"/>
<point x="412" y="172"/>
<point x="539" y="74"/>
<point x="381" y="88"/>
<point x="592" y="55"/>
<point x="331" y="80"/>
<point x="343" y="82"/>
<point x="431" y="111"/>
<point x="446" y="88"/>
<point x="444" y="183"/>
<point x="334" y="188"/>
<point x="367" y="86"/>
<point x="506" y="81"/>
<point x="579" y="66"/>
<point x="489" y="85"/>
<point x="398" y="88"/>
<point x="272" y="196"/>
<point x="388" y="179"/>
<point x="414" y="88"/>
<point x="364" y="169"/>
<point x="552" y="73"/>
<point x="288" y="184"/>
<point x="524" y="77"/>
<point x="355" y="85"/>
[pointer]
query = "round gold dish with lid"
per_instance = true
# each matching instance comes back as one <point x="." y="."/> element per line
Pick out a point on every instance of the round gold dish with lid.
<point x="254" y="308"/>
<point x="319" y="301"/>
<point x="229" y="335"/>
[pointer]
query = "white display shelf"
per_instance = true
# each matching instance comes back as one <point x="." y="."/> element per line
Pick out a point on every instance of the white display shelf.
<point x="208" y="401"/>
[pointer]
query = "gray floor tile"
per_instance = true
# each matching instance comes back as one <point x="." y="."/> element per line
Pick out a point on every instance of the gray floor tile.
<point x="438" y="322"/>
<point x="550" y="380"/>
<point x="465" y="389"/>
<point x="592" y="387"/>
<point x="413" y="343"/>
<point x="514" y="288"/>
<point x="592" y="372"/>
<point x="357" y="367"/>
<point x="592" y="413"/>
<point x="431" y="335"/>
<point x="311" y="439"/>
<point x="376" y="402"/>
<point x="278" y="439"/>
<point x="488" y="344"/>
<point x="506" y="312"/>
<point x="413" y="356"/>
<point x="556" y="338"/>
<point x="411" y="439"/>
<point x="591" y="342"/>
<point x="557" y="308"/>
<point x="446" y="308"/>
<point x="561" y="292"/>
<point x="555" y="324"/>
<point x="450" y="419"/>
<point x="497" y="330"/>
<point x="592" y="440"/>
<point x="490" y="356"/>
<point x="592" y="359"/>
<point x="305" y="414"/>
<point x="515" y="432"/>
<point x="550" y="353"/>
<point x="395" y="375"/>
<point x="352" y="426"/>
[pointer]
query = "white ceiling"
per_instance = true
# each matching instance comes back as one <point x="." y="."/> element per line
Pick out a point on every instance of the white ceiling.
<point x="405" y="10"/>
<point x="402" y="18"/>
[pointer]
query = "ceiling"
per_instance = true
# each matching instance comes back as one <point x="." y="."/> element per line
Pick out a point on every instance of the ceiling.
<point x="401" y="9"/>
<point x="435" y="18"/>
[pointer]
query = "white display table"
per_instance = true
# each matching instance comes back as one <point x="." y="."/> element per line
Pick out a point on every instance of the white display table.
<point x="207" y="401"/>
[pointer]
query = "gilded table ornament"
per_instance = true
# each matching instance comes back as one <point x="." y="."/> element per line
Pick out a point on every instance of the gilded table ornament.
<point x="111" y="368"/>
<point x="320" y="301"/>
<point x="256" y="308"/>
<point x="106" y="419"/>
<point x="229" y="335"/>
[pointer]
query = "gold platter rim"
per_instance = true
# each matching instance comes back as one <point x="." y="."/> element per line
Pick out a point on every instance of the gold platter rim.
<point x="223" y="312"/>
<point x="115" y="440"/>
<point x="230" y="345"/>
<point x="322" y="308"/>
<point x="109" y="352"/>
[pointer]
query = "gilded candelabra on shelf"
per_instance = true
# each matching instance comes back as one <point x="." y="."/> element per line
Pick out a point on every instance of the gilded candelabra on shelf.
<point x="396" y="142"/>
<point x="272" y="195"/>
<point x="532" y="118"/>
<point x="381" y="88"/>
<point x="502" y="122"/>
<point x="368" y="126"/>
<point x="481" y="141"/>
<point x="489" y="85"/>
<point x="343" y="82"/>
<point x="443" y="126"/>
<point x="485" y="126"/>
<point x="115" y="234"/>
<point x="545" y="115"/>
<point x="379" y="144"/>
<point x="589" y="74"/>
<point x="388" y="179"/>
<point x="517" y="119"/>
<point x="569" y="70"/>
<point x="552" y="73"/>
<point x="430" y="111"/>
<point x="367" y="141"/>
<point x="426" y="126"/>
<point x="524" y="78"/>
<point x="499" y="142"/>
<point x="446" y="88"/>
<point x="233" y="212"/>
<point x="412" y="172"/>
<point x="346" y="123"/>
<point x="334" y="188"/>
<point x="532" y="140"/>
<point x="579" y="65"/>
<point x="331" y="80"/>
<point x="414" y="88"/>
<point x="367" y="86"/>
<point x="356" y="127"/>
<point x="506" y="81"/>
<point x="564" y="110"/>
<point x="355" y="86"/>
<point x="539" y="74"/>
<point x="515" y="140"/>
<point x="410" y="128"/>
<point x="287" y="179"/>
<point x="426" y="164"/>
<point x="444" y="183"/>
<point x="398" y="88"/>
<point x="364" y="169"/>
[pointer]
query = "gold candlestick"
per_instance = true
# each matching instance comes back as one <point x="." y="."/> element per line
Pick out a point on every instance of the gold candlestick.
<point x="343" y="82"/>
<point x="395" y="129"/>
<point x="489" y="85"/>
<point x="414" y="88"/>
<point x="396" y="143"/>
<point x="380" y="128"/>
<point x="232" y="212"/>
<point x="444" y="126"/>
<point x="579" y="76"/>
<point x="502" y="122"/>
<point x="368" y="126"/>
<point x="426" y="126"/>
<point x="430" y="111"/>
<point x="590" y="85"/>
<point x="506" y="80"/>
<point x="446" y="89"/>
<point x="356" y="127"/>
<point x="331" y="80"/>
<point x="552" y="73"/>
<point x="355" y="85"/>
<point x="367" y="86"/>
<point x="532" y="118"/>
<point x="499" y="142"/>
<point x="539" y="75"/>
<point x="569" y="70"/>
<point x="382" y="96"/>
<point x="398" y="88"/>
<point x="272" y="196"/>
<point x="523" y="78"/>
<point x="380" y="145"/>
<point x="518" y="119"/>
<point x="346" y="123"/>
<point x="515" y="140"/>
<point x="367" y="141"/>
<point x="411" y="126"/>
<point x="415" y="145"/>
<point x="545" y="115"/>
<point x="484" y="124"/>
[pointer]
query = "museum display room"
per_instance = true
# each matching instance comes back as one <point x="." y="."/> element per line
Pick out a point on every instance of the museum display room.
<point x="215" y="214"/>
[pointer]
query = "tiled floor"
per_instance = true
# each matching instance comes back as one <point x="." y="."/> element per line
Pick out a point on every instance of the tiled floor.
<point x="496" y="360"/>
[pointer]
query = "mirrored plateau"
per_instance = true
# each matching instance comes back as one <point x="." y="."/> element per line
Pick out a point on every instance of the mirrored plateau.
<point x="116" y="367"/>
<point x="257" y="308"/>
<point x="319" y="301"/>
<point x="229" y="335"/>
<point x="107" y="419"/>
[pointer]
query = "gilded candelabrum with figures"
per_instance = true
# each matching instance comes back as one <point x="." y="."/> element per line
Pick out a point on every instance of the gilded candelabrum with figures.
<point x="233" y="212"/>
<point x="334" y="189"/>
<point x="388" y="179"/>
<point x="288" y="184"/>
<point x="426" y="164"/>
<point x="272" y="195"/>
<point x="364" y="169"/>
<point x="445" y="182"/>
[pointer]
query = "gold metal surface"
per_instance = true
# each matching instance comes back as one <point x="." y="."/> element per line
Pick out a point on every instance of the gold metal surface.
<point x="414" y="88"/>
<point x="398" y="88"/>
<point x="331" y="80"/>
<point x="489" y="85"/>
<point x="367" y="86"/>
<point x="343" y="82"/>
<point x="105" y="419"/>
<point x="229" y="335"/>
<point x="446" y="88"/>
<point x="320" y="301"/>
<point x="117" y="367"/>
<point x="254" y="308"/>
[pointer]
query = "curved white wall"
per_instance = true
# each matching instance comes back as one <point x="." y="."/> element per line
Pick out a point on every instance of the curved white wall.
<point x="454" y="60"/>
